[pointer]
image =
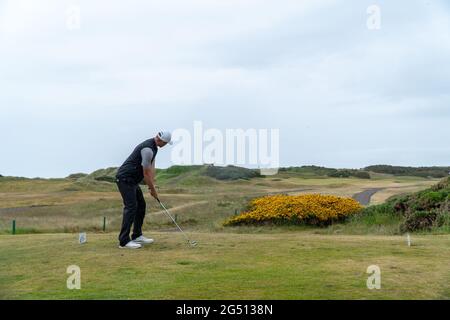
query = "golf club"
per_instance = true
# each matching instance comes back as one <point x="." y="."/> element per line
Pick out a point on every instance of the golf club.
<point x="190" y="242"/>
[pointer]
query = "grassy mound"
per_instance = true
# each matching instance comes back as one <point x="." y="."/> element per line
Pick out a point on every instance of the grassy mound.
<point x="108" y="174"/>
<point x="425" y="172"/>
<point x="180" y="174"/>
<point x="327" y="172"/>
<point x="177" y="174"/>
<point x="231" y="173"/>
<point x="311" y="209"/>
<point x="75" y="176"/>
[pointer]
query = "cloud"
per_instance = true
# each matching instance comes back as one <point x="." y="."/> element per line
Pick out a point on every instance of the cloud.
<point x="310" y="68"/>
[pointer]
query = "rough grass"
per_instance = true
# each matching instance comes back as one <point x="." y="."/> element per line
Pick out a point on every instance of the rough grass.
<point x="378" y="219"/>
<point x="68" y="205"/>
<point x="226" y="266"/>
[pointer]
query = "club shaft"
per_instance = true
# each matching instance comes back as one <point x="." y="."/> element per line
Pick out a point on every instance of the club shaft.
<point x="168" y="213"/>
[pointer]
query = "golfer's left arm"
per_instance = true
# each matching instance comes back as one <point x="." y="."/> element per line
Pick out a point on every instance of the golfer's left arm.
<point x="149" y="170"/>
<point x="153" y="171"/>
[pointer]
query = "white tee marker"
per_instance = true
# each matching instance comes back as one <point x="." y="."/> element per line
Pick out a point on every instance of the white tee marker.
<point x="82" y="238"/>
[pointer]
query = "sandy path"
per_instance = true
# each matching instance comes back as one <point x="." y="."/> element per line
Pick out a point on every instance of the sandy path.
<point x="178" y="208"/>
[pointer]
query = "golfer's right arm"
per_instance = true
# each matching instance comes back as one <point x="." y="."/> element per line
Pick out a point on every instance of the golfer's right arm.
<point x="149" y="170"/>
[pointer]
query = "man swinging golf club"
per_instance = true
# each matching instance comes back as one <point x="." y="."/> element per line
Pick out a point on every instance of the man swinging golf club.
<point x="140" y="165"/>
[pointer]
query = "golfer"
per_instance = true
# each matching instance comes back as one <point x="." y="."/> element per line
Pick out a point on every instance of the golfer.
<point x="139" y="166"/>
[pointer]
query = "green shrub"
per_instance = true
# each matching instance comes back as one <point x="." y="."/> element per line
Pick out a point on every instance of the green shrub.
<point x="424" y="210"/>
<point x="231" y="173"/>
<point x="76" y="176"/>
<point x="362" y="174"/>
<point x="340" y="174"/>
<point x="443" y="219"/>
<point x="431" y="199"/>
<point x="419" y="220"/>
<point x="177" y="170"/>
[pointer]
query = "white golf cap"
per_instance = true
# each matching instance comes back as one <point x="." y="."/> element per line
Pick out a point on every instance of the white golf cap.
<point x="165" y="136"/>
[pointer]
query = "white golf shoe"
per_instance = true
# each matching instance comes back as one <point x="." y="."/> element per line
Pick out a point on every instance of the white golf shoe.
<point x="143" y="240"/>
<point x="131" y="245"/>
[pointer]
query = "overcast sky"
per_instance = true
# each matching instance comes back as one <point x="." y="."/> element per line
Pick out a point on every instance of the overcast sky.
<point x="343" y="95"/>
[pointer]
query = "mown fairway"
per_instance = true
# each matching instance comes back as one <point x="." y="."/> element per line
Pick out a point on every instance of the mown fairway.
<point x="226" y="266"/>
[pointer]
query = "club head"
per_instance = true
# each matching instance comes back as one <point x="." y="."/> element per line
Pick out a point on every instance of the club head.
<point x="192" y="243"/>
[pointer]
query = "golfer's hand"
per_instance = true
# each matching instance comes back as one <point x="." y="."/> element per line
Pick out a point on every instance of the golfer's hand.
<point x="154" y="194"/>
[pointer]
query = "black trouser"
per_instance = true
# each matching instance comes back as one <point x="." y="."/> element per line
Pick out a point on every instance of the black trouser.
<point x="133" y="211"/>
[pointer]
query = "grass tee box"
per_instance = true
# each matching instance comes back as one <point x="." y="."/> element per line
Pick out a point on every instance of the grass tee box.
<point x="226" y="266"/>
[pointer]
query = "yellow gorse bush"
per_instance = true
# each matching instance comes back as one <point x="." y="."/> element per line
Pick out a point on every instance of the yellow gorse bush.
<point x="306" y="208"/>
